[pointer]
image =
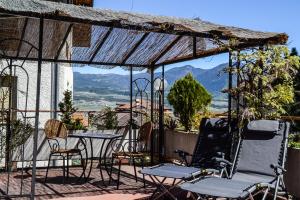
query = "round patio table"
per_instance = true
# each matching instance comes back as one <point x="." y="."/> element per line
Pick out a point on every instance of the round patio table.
<point x="106" y="137"/>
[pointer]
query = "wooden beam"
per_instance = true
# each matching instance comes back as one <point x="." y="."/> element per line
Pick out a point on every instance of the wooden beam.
<point x="211" y="52"/>
<point x="63" y="42"/>
<point x="76" y="62"/>
<point x="134" y="48"/>
<point x="166" y="50"/>
<point x="278" y="39"/>
<point x="194" y="46"/>
<point x="101" y="44"/>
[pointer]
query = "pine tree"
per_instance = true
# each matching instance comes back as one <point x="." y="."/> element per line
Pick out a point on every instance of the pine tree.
<point x="188" y="96"/>
<point x="67" y="109"/>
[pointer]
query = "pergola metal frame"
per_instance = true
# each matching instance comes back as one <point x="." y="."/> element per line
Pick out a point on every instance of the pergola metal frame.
<point x="248" y="44"/>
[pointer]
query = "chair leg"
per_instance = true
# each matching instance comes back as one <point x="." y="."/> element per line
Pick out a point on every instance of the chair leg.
<point x="265" y="194"/>
<point x="134" y="167"/>
<point x="276" y="188"/>
<point x="68" y="166"/>
<point x="83" y="168"/>
<point x="119" y="172"/>
<point x="82" y="164"/>
<point x="64" y="169"/>
<point x="142" y="163"/>
<point x="49" y="160"/>
<point x="110" y="171"/>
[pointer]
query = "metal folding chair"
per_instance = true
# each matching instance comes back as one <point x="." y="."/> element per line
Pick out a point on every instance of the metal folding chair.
<point x="54" y="131"/>
<point x="137" y="151"/>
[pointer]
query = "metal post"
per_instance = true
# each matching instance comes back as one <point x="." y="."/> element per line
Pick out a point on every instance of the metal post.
<point x="238" y="65"/>
<point x="131" y="118"/>
<point x="162" y="113"/>
<point x="161" y="117"/>
<point x="56" y="82"/>
<point x="8" y="123"/>
<point x="229" y="92"/>
<point x="152" y="100"/>
<point x="37" y="108"/>
<point x="260" y="85"/>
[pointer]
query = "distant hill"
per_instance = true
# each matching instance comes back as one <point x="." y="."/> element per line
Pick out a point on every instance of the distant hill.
<point x="111" y="88"/>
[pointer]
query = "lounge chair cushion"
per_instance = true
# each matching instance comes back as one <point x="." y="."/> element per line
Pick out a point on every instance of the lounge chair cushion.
<point x="263" y="126"/>
<point x="172" y="171"/>
<point x="260" y="150"/>
<point x="219" y="187"/>
<point x="252" y="177"/>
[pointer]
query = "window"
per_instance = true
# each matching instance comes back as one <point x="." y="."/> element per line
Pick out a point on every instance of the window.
<point x="7" y="82"/>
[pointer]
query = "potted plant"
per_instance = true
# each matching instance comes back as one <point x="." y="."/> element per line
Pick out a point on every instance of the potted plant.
<point x="20" y="133"/>
<point x="292" y="176"/>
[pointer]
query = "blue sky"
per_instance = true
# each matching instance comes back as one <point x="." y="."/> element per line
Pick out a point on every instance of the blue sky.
<point x="263" y="15"/>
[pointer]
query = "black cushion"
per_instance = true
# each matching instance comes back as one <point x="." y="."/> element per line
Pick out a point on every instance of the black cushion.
<point x="263" y="129"/>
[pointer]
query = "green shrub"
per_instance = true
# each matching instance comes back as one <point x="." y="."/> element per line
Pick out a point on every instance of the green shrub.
<point x="188" y="96"/>
<point x="294" y="141"/>
<point x="20" y="133"/>
<point x="170" y="122"/>
<point x="105" y="119"/>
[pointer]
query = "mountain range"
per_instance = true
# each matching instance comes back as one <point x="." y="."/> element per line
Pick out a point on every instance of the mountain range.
<point x="91" y="90"/>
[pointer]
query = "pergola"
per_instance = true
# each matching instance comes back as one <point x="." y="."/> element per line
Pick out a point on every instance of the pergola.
<point x="33" y="30"/>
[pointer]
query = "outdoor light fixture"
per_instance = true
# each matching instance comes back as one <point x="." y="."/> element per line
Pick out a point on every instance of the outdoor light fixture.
<point x="158" y="84"/>
<point x="137" y="102"/>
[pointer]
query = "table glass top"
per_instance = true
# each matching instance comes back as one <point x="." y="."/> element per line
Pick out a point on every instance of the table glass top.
<point x="96" y="135"/>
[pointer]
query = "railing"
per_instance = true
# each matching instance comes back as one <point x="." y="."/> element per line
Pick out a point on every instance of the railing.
<point x="213" y="114"/>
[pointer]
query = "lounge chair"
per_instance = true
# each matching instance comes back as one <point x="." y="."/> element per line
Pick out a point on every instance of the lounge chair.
<point x="258" y="165"/>
<point x="213" y="141"/>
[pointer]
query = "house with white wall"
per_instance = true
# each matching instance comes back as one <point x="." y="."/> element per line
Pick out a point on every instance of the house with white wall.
<point x="52" y="88"/>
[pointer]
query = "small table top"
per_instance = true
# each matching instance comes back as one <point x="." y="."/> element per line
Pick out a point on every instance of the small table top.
<point x="94" y="135"/>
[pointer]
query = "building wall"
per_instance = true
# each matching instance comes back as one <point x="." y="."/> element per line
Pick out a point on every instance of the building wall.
<point x="65" y="81"/>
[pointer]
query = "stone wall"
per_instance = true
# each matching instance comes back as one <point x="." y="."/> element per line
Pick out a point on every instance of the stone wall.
<point x="179" y="140"/>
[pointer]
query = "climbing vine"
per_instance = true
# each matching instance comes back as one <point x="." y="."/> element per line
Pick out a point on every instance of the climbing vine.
<point x="266" y="81"/>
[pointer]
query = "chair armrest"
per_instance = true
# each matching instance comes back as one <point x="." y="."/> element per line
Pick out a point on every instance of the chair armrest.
<point x="222" y="162"/>
<point x="183" y="155"/>
<point x="220" y="154"/>
<point x="279" y="170"/>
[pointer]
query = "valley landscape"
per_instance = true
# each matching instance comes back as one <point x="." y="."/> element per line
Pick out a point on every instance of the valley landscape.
<point x="94" y="91"/>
